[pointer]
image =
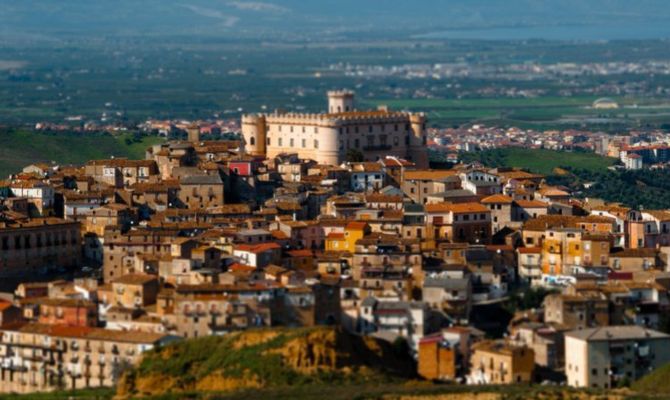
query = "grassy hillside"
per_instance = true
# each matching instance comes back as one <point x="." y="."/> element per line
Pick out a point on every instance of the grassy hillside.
<point x="656" y="383"/>
<point x="20" y="148"/>
<point x="268" y="359"/>
<point x="540" y="161"/>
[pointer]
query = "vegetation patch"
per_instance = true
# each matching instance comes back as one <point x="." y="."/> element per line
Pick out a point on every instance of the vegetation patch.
<point x="23" y="147"/>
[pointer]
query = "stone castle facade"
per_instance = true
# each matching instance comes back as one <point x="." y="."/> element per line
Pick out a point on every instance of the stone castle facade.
<point x="328" y="137"/>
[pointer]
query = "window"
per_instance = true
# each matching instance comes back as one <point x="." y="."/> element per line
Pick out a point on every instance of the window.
<point x="316" y="144"/>
<point x="304" y="143"/>
<point x="279" y="142"/>
<point x="291" y="142"/>
<point x="252" y="141"/>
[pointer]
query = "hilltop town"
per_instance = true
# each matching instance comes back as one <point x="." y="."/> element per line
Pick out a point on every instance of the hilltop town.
<point x="488" y="275"/>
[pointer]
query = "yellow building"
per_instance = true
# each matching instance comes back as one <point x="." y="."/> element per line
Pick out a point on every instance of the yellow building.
<point x="346" y="241"/>
<point x="561" y="250"/>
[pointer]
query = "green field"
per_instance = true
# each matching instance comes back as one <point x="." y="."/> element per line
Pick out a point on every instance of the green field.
<point x="540" y="113"/>
<point x="132" y="80"/>
<point x="21" y="147"/>
<point x="540" y="160"/>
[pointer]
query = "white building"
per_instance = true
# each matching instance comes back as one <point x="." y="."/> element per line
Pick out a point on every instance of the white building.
<point x="633" y="161"/>
<point x="389" y="318"/>
<point x="607" y="356"/>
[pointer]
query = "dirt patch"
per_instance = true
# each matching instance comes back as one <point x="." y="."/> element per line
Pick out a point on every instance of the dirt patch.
<point x="254" y="338"/>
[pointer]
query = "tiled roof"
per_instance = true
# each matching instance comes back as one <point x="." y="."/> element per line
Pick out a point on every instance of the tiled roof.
<point x="497" y="199"/>
<point x="457" y="208"/>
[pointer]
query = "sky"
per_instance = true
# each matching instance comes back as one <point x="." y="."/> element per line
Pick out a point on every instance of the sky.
<point x="318" y="19"/>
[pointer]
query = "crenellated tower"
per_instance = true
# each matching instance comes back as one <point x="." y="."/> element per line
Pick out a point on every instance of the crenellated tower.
<point x="254" y="131"/>
<point x="417" y="151"/>
<point x="340" y="101"/>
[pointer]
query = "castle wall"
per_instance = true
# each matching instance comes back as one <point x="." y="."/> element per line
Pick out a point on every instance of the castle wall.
<point x="328" y="138"/>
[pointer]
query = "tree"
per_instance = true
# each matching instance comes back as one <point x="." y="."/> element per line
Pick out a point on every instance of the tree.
<point x="354" y="155"/>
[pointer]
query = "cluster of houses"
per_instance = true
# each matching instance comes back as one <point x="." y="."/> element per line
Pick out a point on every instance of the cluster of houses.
<point x="201" y="238"/>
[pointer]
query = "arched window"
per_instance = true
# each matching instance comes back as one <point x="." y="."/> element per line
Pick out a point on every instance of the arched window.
<point x="252" y="141"/>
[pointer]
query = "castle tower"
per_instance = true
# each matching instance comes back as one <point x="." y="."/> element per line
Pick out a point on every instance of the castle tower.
<point x="193" y="131"/>
<point x="340" y="101"/>
<point x="417" y="151"/>
<point x="254" y="131"/>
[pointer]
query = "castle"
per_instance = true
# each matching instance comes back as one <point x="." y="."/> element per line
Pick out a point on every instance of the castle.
<point x="329" y="137"/>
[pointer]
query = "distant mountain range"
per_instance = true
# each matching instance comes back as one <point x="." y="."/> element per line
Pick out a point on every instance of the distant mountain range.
<point x="311" y="19"/>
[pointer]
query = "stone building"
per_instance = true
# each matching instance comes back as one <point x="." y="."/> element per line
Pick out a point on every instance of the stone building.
<point x="498" y="362"/>
<point x="39" y="358"/>
<point x="38" y="244"/>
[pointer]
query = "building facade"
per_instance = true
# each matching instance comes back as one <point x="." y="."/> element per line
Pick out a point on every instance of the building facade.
<point x="609" y="356"/>
<point x="329" y="137"/>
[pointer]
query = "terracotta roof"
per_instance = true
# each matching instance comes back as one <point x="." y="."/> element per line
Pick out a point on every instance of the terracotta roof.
<point x="531" y="204"/>
<point x="88" y="333"/>
<point x="550" y="191"/>
<point x="497" y="198"/>
<point x="457" y="208"/>
<point x="257" y="248"/>
<point x="279" y="235"/>
<point x="356" y="225"/>
<point x="429" y="175"/>
<point x="383" y="198"/>
<point x="661" y="215"/>
<point x="122" y="163"/>
<point x="300" y="253"/>
<point x="544" y="222"/>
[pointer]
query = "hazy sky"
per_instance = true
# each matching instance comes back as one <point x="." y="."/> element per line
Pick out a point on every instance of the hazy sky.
<point x="314" y="17"/>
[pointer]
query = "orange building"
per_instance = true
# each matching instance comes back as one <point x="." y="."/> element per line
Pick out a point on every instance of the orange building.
<point x="437" y="360"/>
<point x="71" y="312"/>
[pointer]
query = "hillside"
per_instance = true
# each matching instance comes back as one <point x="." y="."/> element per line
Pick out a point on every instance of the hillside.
<point x="539" y="160"/>
<point x="656" y="384"/>
<point x="21" y="147"/>
<point x="267" y="359"/>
